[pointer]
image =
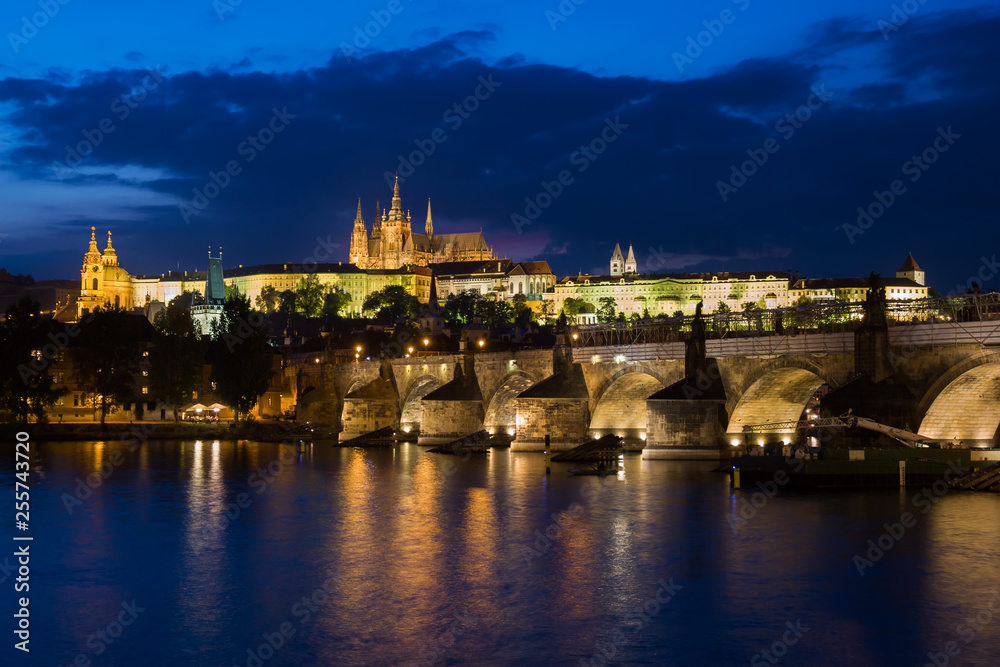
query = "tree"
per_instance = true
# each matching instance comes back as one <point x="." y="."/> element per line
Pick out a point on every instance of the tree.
<point x="241" y="358"/>
<point x="723" y="307"/>
<point x="176" y="357"/>
<point x="231" y="291"/>
<point x="522" y="313"/>
<point x="287" y="300"/>
<point x="645" y="313"/>
<point x="25" y="380"/>
<point x="309" y="297"/>
<point x="461" y="307"/>
<point x="392" y="303"/>
<point x="678" y="313"/>
<point x="804" y="301"/>
<point x="334" y="302"/>
<point x="109" y="356"/>
<point x="606" y="309"/>
<point x="268" y="300"/>
<point x="546" y="309"/>
<point x="749" y="305"/>
<point x="495" y="314"/>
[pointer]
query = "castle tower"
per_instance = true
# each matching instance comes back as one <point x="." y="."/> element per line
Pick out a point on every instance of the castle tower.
<point x="910" y="269"/>
<point x="359" y="240"/>
<point x="630" y="264"/>
<point x="429" y="225"/>
<point x="91" y="275"/>
<point x="377" y="225"/>
<point x="617" y="261"/>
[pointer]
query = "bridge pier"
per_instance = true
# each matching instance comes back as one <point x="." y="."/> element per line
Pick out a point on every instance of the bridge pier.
<point x="688" y="419"/>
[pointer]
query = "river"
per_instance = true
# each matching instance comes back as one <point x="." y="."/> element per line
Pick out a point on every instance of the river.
<point x="255" y="554"/>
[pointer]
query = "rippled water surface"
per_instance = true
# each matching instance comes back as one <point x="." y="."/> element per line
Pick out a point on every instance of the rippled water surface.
<point x="396" y="556"/>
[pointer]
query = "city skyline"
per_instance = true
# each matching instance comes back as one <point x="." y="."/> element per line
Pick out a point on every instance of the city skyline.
<point x="862" y="132"/>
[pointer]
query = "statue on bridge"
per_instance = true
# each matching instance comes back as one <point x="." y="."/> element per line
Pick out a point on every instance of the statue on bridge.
<point x="694" y="348"/>
<point x="875" y="302"/>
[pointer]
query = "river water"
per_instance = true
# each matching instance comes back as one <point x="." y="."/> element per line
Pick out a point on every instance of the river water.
<point x="221" y="554"/>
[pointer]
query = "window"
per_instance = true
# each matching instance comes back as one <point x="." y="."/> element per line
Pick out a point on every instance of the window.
<point x="194" y="394"/>
<point x="145" y="353"/>
<point x="145" y="374"/>
<point x="95" y="284"/>
<point x="145" y="390"/>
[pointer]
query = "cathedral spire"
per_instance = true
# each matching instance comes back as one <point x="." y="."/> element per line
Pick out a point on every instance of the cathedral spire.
<point x="630" y="263"/>
<point x="359" y="221"/>
<point x="429" y="227"/>
<point x="397" y="204"/>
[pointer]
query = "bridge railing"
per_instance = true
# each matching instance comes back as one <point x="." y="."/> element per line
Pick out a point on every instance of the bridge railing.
<point x="836" y="318"/>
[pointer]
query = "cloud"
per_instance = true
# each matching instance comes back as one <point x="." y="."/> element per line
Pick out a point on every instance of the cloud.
<point x="654" y="186"/>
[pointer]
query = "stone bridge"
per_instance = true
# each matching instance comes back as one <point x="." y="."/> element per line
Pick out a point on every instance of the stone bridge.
<point x="940" y="380"/>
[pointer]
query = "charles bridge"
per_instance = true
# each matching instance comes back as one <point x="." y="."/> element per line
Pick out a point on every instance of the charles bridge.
<point x="935" y="371"/>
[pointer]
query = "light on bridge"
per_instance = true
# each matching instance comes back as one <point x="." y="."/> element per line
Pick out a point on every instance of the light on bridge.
<point x="735" y="442"/>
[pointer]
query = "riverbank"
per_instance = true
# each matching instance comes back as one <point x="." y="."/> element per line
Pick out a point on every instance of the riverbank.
<point x="155" y="430"/>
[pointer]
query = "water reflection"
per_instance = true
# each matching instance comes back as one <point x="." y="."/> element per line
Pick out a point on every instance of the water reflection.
<point x="413" y="541"/>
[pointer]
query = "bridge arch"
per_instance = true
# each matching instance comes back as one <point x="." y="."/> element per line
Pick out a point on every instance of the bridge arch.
<point x="963" y="405"/>
<point x="501" y="408"/>
<point x="620" y="406"/>
<point x="776" y="391"/>
<point x="409" y="414"/>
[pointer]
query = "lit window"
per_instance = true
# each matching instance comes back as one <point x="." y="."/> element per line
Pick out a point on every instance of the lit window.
<point x="145" y="390"/>
<point x="145" y="374"/>
<point x="145" y="353"/>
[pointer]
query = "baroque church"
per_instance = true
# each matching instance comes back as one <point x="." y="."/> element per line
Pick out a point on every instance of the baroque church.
<point x="392" y="243"/>
<point x="102" y="281"/>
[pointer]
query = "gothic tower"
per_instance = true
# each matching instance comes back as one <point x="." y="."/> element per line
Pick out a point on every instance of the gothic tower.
<point x="429" y="225"/>
<point x="359" y="240"/>
<point x="617" y="261"/>
<point x="630" y="263"/>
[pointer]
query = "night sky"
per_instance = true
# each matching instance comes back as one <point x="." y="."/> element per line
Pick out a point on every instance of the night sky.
<point x="833" y="100"/>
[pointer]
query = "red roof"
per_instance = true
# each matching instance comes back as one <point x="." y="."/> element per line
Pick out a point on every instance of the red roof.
<point x="909" y="265"/>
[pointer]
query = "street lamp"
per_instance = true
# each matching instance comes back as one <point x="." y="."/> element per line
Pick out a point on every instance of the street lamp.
<point x="357" y="355"/>
<point x="426" y="342"/>
<point x="481" y="342"/>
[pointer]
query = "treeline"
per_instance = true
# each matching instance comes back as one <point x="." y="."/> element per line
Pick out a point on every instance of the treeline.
<point x="104" y="353"/>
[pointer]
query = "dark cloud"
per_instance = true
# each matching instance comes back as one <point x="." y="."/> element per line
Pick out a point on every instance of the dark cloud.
<point x="655" y="185"/>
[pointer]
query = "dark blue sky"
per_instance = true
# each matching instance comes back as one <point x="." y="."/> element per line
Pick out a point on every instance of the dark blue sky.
<point x="872" y="88"/>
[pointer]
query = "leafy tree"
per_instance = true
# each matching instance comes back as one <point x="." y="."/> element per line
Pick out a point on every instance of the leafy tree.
<point x="621" y="317"/>
<point x="25" y="380"/>
<point x="606" y="309"/>
<point x="546" y="310"/>
<point x="176" y="357"/>
<point x="391" y="303"/>
<point x="678" y="313"/>
<point x="522" y="313"/>
<point x="804" y="301"/>
<point x="645" y="313"/>
<point x="750" y="305"/>
<point x="231" y="291"/>
<point x="287" y="300"/>
<point x="334" y="302"/>
<point x="462" y="307"/>
<point x="241" y="358"/>
<point x="495" y="314"/>
<point x="309" y="297"/>
<point x="268" y="300"/>
<point x="109" y="356"/>
<point x="723" y="307"/>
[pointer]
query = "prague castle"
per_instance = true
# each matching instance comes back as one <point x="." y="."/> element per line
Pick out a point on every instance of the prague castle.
<point x="392" y="243"/>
